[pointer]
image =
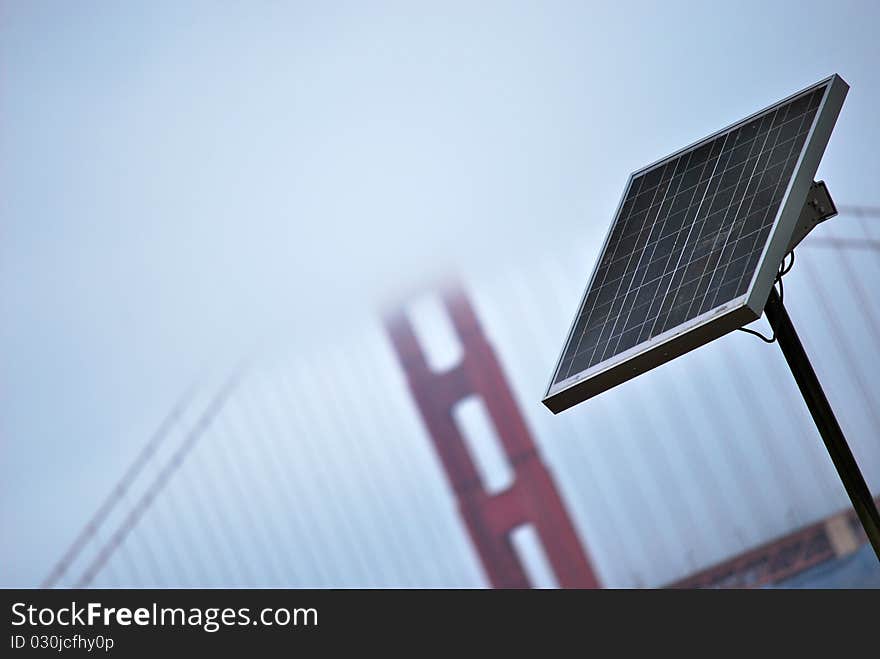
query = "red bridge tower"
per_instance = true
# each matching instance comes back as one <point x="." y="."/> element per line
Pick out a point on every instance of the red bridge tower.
<point x="532" y="498"/>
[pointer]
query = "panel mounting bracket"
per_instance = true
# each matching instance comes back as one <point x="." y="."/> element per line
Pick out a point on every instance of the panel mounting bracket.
<point x="818" y="207"/>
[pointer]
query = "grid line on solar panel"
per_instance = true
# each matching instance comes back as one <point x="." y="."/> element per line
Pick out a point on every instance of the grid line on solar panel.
<point x="714" y="162"/>
<point x="689" y="234"/>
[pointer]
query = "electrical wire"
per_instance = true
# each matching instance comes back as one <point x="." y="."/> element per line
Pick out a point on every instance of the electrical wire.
<point x="787" y="268"/>
<point x="772" y="339"/>
<point x="783" y="270"/>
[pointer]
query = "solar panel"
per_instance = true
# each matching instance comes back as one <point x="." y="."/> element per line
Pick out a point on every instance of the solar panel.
<point x="695" y="244"/>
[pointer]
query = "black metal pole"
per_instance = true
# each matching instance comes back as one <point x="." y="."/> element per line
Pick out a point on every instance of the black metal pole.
<point x="824" y="417"/>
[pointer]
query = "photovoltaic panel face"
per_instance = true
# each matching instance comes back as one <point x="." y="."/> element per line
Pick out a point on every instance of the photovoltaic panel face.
<point x="695" y="244"/>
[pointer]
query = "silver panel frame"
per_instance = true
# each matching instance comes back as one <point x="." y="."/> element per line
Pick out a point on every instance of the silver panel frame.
<point x="735" y="313"/>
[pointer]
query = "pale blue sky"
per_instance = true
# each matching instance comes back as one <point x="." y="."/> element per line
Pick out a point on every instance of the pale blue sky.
<point x="181" y="181"/>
